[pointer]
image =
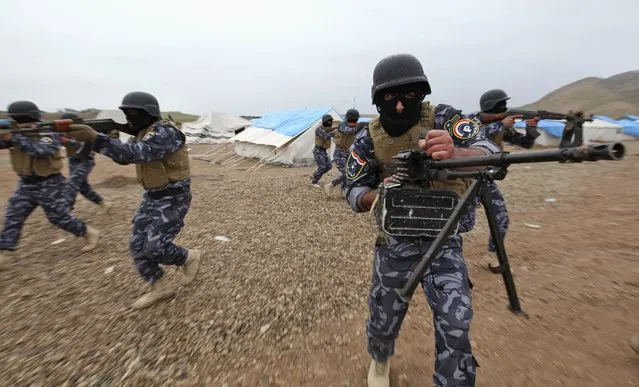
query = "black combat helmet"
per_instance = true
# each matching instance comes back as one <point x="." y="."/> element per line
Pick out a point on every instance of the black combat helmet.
<point x="141" y="101"/>
<point x="327" y="118"/>
<point x="352" y="114"/>
<point x="24" y="109"/>
<point x="489" y="100"/>
<point x="398" y="70"/>
<point x="69" y="116"/>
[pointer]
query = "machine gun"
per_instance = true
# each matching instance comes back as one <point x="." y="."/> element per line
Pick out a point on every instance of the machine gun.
<point x="409" y="210"/>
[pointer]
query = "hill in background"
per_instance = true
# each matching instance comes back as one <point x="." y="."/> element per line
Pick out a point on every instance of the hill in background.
<point x="611" y="96"/>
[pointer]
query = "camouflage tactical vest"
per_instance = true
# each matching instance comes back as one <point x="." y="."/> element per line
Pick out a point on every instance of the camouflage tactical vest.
<point x="25" y="165"/>
<point x="320" y="142"/>
<point x="174" y="167"/>
<point x="498" y="139"/>
<point x="386" y="147"/>
<point x="343" y="140"/>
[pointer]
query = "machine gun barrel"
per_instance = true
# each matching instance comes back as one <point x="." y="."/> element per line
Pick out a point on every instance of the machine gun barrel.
<point x="610" y="151"/>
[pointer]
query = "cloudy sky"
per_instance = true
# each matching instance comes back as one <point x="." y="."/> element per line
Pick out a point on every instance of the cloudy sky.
<point x="249" y="57"/>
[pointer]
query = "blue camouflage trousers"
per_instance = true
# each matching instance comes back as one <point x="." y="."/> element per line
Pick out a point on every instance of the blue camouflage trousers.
<point x="79" y="171"/>
<point x="339" y="158"/>
<point x="156" y="224"/>
<point x="49" y="193"/>
<point x="323" y="163"/>
<point x="501" y="213"/>
<point x="447" y="289"/>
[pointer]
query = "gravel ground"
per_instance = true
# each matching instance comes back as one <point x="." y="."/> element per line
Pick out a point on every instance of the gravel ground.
<point x="283" y="302"/>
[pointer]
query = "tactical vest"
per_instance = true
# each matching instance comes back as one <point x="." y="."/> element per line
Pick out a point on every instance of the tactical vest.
<point x="498" y="139"/>
<point x="174" y="167"/>
<point x="386" y="147"/>
<point x="320" y="142"/>
<point x="343" y="140"/>
<point x="25" y="165"/>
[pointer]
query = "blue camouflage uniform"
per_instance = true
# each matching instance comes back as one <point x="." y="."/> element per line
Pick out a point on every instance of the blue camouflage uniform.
<point x="341" y="154"/>
<point x="160" y="216"/>
<point x="496" y="132"/>
<point x="446" y="283"/>
<point x="79" y="171"/>
<point x="38" y="186"/>
<point x="322" y="143"/>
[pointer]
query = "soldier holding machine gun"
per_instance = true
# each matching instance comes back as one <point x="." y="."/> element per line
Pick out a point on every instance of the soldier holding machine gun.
<point x="421" y="205"/>
<point x="38" y="162"/>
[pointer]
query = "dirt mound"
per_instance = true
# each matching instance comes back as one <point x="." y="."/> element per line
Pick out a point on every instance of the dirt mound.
<point x="613" y="96"/>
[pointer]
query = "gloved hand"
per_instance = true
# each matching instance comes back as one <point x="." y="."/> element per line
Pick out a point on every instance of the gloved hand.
<point x="82" y="133"/>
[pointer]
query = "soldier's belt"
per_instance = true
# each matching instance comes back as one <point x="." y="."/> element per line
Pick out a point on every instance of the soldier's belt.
<point x="411" y="211"/>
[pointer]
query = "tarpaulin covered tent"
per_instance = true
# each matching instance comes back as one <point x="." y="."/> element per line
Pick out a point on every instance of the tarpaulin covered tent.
<point x="630" y="127"/>
<point x="214" y="128"/>
<point x="283" y="137"/>
<point x="596" y="131"/>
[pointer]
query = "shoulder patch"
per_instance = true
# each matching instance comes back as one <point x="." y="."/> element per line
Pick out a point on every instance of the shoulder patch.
<point x="46" y="140"/>
<point x="462" y="128"/>
<point x="354" y="166"/>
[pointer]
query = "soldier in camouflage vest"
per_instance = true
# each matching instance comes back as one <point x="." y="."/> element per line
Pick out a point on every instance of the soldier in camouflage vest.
<point x="38" y="162"/>
<point x="399" y="89"/>
<point x="162" y="167"/>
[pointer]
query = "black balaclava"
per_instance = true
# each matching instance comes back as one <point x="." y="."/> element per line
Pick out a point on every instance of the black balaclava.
<point x="394" y="123"/>
<point x="327" y="124"/>
<point x="139" y="119"/>
<point x="23" y="119"/>
<point x="499" y="108"/>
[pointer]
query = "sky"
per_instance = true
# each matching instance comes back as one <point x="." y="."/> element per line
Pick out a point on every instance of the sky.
<point x="251" y="57"/>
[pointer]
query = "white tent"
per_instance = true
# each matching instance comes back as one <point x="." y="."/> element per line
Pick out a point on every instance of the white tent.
<point x="596" y="131"/>
<point x="117" y="116"/>
<point x="213" y="128"/>
<point x="283" y="137"/>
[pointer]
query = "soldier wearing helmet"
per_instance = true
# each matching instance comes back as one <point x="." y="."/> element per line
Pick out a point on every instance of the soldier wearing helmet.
<point x="38" y="162"/>
<point x="494" y="102"/>
<point x="79" y="170"/>
<point x="162" y="168"/>
<point x="399" y="89"/>
<point x="323" y="136"/>
<point x="344" y="137"/>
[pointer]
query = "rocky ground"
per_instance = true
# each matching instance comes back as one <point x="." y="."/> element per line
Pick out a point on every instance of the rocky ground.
<point x="283" y="302"/>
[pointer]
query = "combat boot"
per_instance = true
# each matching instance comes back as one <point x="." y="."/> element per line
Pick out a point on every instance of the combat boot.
<point x="106" y="207"/>
<point x="4" y="261"/>
<point x="634" y="343"/>
<point x="379" y="374"/>
<point x="91" y="238"/>
<point x="191" y="266"/>
<point x="159" y="291"/>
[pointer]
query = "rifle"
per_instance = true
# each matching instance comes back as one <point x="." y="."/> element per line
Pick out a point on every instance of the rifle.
<point x="487" y="118"/>
<point x="101" y="126"/>
<point x="38" y="130"/>
<point x="404" y="213"/>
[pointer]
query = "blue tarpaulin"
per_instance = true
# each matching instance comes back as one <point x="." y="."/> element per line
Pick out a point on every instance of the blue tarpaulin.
<point x="553" y="127"/>
<point x="290" y="122"/>
<point x="630" y="128"/>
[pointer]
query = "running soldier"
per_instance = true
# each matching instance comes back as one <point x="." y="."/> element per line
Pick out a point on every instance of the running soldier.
<point x="79" y="171"/>
<point x="162" y="166"/>
<point x="38" y="162"/>
<point x="323" y="135"/>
